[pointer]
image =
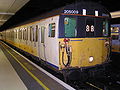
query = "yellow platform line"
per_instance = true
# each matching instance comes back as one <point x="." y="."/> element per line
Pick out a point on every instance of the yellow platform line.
<point x="94" y="86"/>
<point x="28" y="70"/>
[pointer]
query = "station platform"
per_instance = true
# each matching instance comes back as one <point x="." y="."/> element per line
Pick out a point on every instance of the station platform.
<point x="19" y="73"/>
<point x="9" y="80"/>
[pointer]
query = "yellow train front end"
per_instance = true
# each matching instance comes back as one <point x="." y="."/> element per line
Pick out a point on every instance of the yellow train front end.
<point x="84" y="42"/>
<point x="81" y="58"/>
<point x="83" y="52"/>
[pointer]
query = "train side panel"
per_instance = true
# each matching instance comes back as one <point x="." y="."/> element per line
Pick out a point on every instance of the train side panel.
<point x="48" y="41"/>
<point x="43" y="44"/>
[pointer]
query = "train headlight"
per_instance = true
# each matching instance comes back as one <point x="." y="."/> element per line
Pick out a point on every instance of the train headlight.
<point x="62" y="45"/>
<point x="91" y="58"/>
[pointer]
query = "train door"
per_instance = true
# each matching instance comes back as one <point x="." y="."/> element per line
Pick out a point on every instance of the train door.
<point x="19" y="37"/>
<point x="41" y="44"/>
<point x="48" y="42"/>
<point x="33" y="40"/>
<point x="30" y="43"/>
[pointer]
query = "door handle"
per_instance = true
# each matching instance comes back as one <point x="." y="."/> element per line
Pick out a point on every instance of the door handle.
<point x="44" y="45"/>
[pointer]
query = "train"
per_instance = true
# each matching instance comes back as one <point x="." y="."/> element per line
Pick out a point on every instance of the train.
<point x="73" y="40"/>
<point x="115" y="29"/>
<point x="115" y="33"/>
<point x="115" y="49"/>
<point x="115" y="37"/>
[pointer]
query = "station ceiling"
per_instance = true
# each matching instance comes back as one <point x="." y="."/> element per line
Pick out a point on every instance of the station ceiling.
<point x="8" y="8"/>
<point x="13" y="12"/>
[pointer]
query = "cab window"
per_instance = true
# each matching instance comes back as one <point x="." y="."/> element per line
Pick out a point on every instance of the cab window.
<point x="90" y="27"/>
<point x="70" y="27"/>
<point x="105" y="28"/>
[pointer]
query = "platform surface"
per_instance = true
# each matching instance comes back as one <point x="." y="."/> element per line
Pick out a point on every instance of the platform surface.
<point x="9" y="80"/>
<point x="31" y="76"/>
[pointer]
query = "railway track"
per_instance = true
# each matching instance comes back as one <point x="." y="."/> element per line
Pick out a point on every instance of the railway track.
<point x="97" y="84"/>
<point x="112" y="82"/>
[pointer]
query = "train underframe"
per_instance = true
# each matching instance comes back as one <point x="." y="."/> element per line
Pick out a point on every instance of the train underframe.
<point x="85" y="73"/>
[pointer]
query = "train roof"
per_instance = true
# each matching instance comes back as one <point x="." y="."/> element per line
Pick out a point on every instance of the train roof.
<point x="88" y="5"/>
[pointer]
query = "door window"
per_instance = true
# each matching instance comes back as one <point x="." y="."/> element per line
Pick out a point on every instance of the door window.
<point x="42" y="34"/>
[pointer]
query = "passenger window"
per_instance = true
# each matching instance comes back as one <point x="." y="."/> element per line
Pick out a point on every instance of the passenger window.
<point x="27" y="33"/>
<point x="12" y="34"/>
<point x="31" y="33"/>
<point x="105" y="28"/>
<point x="70" y="27"/>
<point x="52" y="30"/>
<point x="23" y="34"/>
<point x="42" y="34"/>
<point x="37" y="28"/>
<point x="16" y="34"/>
<point x="20" y="34"/>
